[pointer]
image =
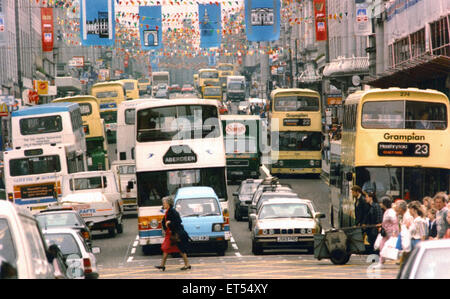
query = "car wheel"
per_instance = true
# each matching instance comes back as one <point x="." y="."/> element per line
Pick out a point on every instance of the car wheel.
<point x="256" y="249"/>
<point x="237" y="215"/>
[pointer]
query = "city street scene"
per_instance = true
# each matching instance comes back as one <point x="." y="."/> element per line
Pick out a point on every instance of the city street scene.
<point x="224" y="140"/>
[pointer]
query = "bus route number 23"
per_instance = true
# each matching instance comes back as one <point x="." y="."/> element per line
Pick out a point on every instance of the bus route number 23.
<point x="421" y="150"/>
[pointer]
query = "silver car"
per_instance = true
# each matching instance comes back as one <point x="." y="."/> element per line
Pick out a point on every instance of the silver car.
<point x="285" y="223"/>
<point x="428" y="260"/>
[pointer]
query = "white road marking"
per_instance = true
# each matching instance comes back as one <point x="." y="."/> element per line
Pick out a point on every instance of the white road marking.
<point x="133" y="250"/>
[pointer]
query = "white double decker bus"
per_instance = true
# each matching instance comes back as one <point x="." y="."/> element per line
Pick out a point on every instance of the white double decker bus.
<point x="178" y="143"/>
<point x="48" y="142"/>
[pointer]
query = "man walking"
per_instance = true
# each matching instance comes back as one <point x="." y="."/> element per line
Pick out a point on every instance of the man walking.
<point x="440" y="203"/>
<point x="361" y="207"/>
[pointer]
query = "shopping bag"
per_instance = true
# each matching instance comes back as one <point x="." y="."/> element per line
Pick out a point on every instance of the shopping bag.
<point x="377" y="243"/>
<point x="389" y="251"/>
<point x="406" y="238"/>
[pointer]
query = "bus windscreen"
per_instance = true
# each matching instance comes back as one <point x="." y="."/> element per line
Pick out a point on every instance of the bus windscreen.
<point x="296" y="103"/>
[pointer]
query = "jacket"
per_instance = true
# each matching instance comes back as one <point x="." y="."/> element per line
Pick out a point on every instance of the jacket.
<point x="175" y="226"/>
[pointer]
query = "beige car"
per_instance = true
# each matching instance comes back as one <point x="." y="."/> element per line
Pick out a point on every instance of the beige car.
<point x="285" y="223"/>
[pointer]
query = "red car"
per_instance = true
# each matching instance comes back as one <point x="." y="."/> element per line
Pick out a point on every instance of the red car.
<point x="174" y="88"/>
<point x="223" y="109"/>
<point x="187" y="88"/>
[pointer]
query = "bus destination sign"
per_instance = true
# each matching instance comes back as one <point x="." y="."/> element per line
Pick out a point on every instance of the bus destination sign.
<point x="294" y="122"/>
<point x="403" y="149"/>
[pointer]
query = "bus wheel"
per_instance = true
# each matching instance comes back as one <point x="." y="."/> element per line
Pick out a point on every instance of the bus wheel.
<point x="112" y="231"/>
<point x="339" y="257"/>
<point x="119" y="228"/>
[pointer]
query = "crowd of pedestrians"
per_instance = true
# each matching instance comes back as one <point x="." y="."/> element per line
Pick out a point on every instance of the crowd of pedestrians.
<point x="408" y="223"/>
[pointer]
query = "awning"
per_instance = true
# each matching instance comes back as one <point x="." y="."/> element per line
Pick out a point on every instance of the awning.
<point x="413" y="72"/>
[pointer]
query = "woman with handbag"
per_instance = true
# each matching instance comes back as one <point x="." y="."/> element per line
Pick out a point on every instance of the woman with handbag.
<point x="389" y="226"/>
<point x="176" y="239"/>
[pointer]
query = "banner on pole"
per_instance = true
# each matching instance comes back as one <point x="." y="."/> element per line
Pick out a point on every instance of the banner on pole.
<point x="150" y="27"/>
<point x="210" y="20"/>
<point x="47" y="29"/>
<point x="262" y="20"/>
<point x="362" y="21"/>
<point x="3" y="34"/>
<point x="97" y="22"/>
<point x="320" y="17"/>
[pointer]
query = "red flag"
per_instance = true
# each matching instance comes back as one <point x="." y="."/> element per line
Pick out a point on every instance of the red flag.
<point x="47" y="29"/>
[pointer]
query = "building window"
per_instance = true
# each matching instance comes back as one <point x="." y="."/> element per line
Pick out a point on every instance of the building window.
<point x="440" y="37"/>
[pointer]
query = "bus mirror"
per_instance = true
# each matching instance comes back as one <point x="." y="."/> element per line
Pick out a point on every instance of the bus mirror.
<point x="349" y="176"/>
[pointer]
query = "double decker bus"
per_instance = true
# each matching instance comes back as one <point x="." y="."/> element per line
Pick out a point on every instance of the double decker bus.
<point x="207" y="77"/>
<point x="94" y="129"/>
<point x="178" y="143"/>
<point x="126" y="130"/>
<point x="395" y="142"/>
<point x="109" y="95"/>
<point x="131" y="87"/>
<point x="296" y="131"/>
<point x="225" y="70"/>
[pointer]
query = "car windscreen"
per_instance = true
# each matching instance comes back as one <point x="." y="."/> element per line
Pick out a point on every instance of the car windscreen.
<point x="65" y="242"/>
<point x="87" y="183"/>
<point x="435" y="263"/>
<point x="284" y="210"/>
<point x="198" y="207"/>
<point x="7" y="248"/>
<point x="48" y="220"/>
<point x="109" y="116"/>
<point x="248" y="189"/>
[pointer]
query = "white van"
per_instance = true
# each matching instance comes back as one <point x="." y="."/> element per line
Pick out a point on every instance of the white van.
<point x="127" y="174"/>
<point x="22" y="246"/>
<point x="235" y="88"/>
<point x="96" y="196"/>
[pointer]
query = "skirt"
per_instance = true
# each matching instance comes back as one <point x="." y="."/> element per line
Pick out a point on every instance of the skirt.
<point x="167" y="246"/>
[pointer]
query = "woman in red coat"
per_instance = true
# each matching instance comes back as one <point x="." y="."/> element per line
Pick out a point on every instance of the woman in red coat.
<point x="172" y="225"/>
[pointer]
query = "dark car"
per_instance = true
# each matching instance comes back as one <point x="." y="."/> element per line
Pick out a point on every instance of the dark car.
<point x="243" y="194"/>
<point x="65" y="218"/>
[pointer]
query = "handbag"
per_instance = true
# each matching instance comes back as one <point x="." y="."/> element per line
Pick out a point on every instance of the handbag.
<point x="383" y="232"/>
<point x="389" y="251"/>
<point x="174" y="238"/>
<point x="406" y="238"/>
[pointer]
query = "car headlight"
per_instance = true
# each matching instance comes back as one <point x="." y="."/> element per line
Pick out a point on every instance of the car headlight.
<point x="271" y="231"/>
<point x="265" y="231"/>
<point x="217" y="227"/>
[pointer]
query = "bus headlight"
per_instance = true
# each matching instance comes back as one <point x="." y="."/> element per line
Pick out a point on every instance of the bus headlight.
<point x="311" y="162"/>
<point x="154" y="223"/>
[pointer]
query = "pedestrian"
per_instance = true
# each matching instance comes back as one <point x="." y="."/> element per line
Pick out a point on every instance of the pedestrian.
<point x="252" y="109"/>
<point x="418" y="228"/>
<point x="447" y="234"/>
<point x="404" y="220"/>
<point x="257" y="110"/>
<point x="361" y="207"/>
<point x="440" y="202"/>
<point x="374" y="218"/>
<point x="426" y="203"/>
<point x="176" y="239"/>
<point x="389" y="225"/>
<point x="432" y="227"/>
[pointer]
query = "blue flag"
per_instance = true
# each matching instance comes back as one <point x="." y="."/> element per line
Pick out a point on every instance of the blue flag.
<point x="210" y="20"/>
<point x="97" y="22"/>
<point x="262" y="20"/>
<point x="150" y="27"/>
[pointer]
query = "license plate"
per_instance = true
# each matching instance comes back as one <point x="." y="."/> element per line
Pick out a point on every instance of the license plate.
<point x="287" y="239"/>
<point x="200" y="238"/>
<point x="129" y="201"/>
<point x="237" y="172"/>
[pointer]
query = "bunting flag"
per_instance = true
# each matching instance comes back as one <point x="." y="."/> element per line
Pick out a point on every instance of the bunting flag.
<point x="262" y="20"/>
<point x="47" y="29"/>
<point x="320" y="16"/>
<point x="150" y="27"/>
<point x="210" y="22"/>
<point x="97" y="22"/>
